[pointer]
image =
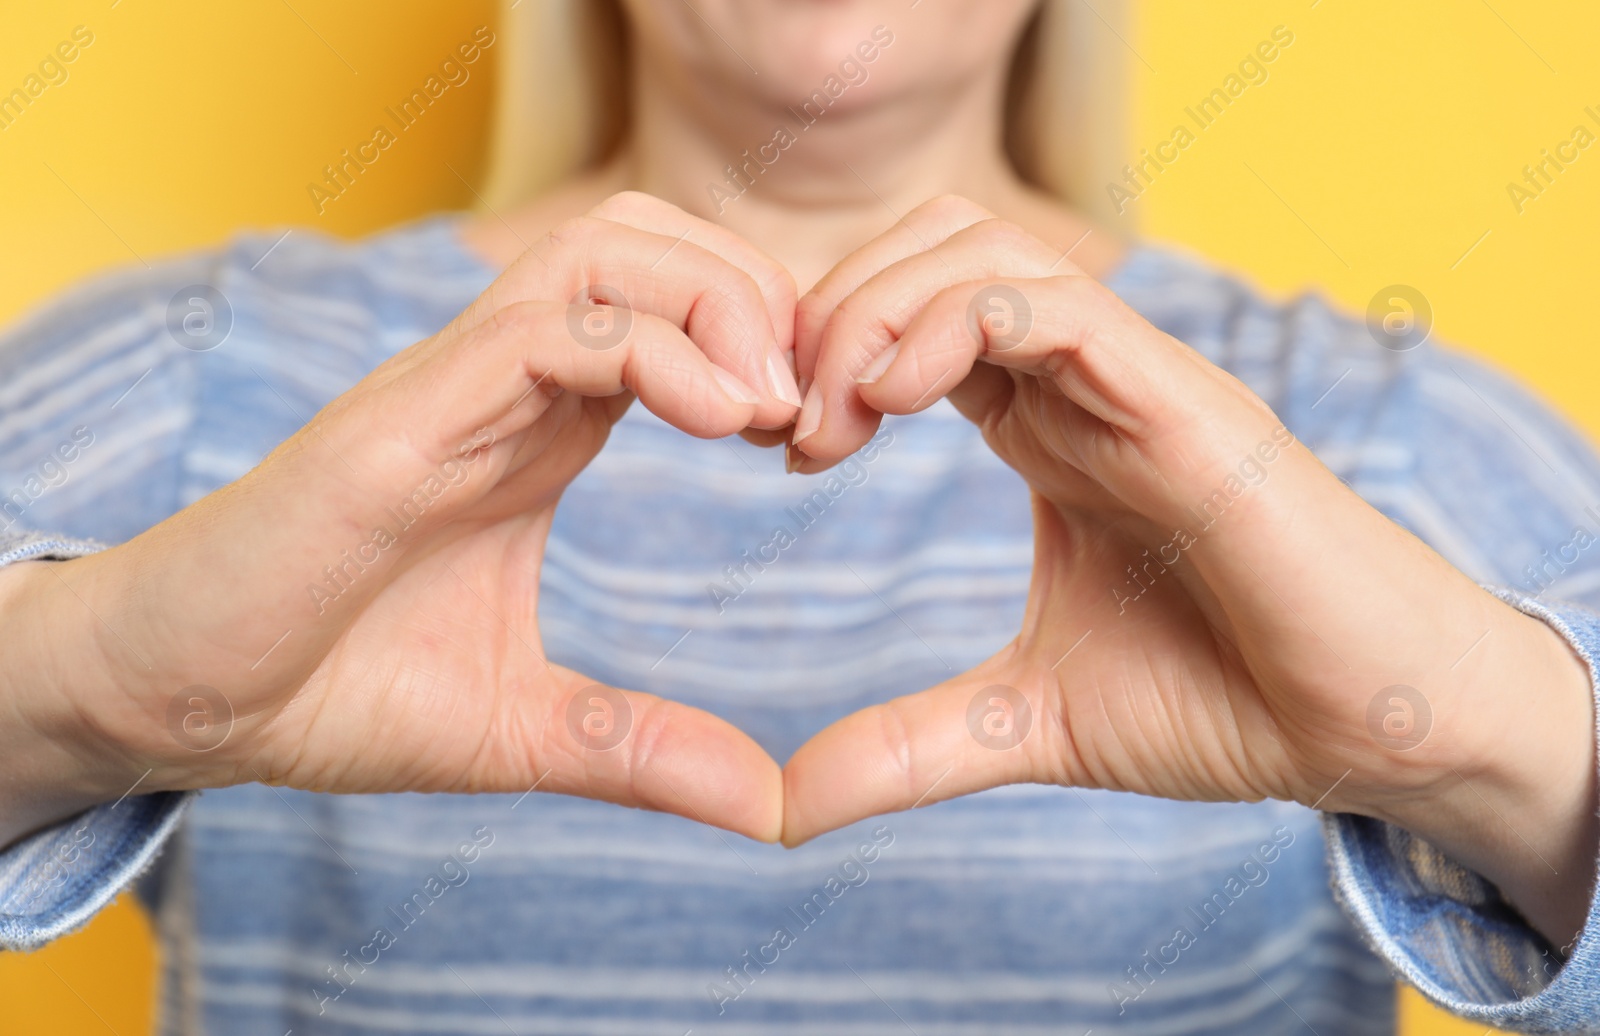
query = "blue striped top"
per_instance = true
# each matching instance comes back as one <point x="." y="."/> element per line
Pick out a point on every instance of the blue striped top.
<point x="1022" y="910"/>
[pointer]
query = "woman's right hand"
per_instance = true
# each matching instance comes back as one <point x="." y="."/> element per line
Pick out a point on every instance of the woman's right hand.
<point x="358" y="613"/>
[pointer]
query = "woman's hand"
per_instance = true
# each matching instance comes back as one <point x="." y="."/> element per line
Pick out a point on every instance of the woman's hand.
<point x="358" y="613"/>
<point x="1213" y="614"/>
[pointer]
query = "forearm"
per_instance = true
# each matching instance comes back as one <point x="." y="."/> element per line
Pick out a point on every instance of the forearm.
<point x="1516" y="801"/>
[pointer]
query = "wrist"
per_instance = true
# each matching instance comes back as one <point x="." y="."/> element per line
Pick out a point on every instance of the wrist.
<point x="1512" y="791"/>
<point x="55" y="760"/>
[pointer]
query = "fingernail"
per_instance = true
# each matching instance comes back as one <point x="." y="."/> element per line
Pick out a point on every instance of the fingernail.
<point x="875" y="369"/>
<point x="733" y="388"/>
<point x="791" y="458"/>
<point x="810" y="415"/>
<point x="780" y="381"/>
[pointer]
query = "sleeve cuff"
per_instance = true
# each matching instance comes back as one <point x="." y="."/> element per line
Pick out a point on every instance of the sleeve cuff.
<point x="36" y="546"/>
<point x="55" y="880"/>
<point x="1447" y="930"/>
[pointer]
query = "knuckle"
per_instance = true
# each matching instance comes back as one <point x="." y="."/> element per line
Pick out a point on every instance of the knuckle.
<point x="642" y="357"/>
<point x="654" y="361"/>
<point x="1102" y="302"/>
<point x="574" y="232"/>
<point x="737" y="288"/>
<point x="899" y="745"/>
<point x="628" y="204"/>
<point x="812" y="312"/>
<point x="851" y="315"/>
<point x="777" y="283"/>
<point x="1078" y="288"/>
<point x="940" y="353"/>
<point x="652" y="725"/>
<point x="854" y="327"/>
<point x="730" y="301"/>
<point x="520" y="317"/>
<point x="1002" y="234"/>
<point x="952" y="208"/>
<point x="1082" y="303"/>
<point x="1049" y="753"/>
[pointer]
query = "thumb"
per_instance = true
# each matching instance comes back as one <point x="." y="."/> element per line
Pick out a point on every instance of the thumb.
<point x="636" y="749"/>
<point x="967" y="734"/>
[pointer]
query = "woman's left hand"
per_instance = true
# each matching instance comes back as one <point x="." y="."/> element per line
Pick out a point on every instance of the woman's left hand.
<point x="1213" y="614"/>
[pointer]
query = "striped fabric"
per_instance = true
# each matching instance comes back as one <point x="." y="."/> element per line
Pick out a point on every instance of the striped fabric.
<point x="1022" y="910"/>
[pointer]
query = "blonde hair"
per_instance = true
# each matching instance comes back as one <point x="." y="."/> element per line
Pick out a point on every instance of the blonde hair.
<point x="562" y="92"/>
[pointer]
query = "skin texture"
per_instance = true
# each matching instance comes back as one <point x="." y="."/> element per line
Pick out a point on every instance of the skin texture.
<point x="1243" y="672"/>
<point x="427" y="673"/>
<point x="1243" y="666"/>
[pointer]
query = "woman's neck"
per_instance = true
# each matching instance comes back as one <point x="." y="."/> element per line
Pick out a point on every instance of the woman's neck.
<point x="806" y="184"/>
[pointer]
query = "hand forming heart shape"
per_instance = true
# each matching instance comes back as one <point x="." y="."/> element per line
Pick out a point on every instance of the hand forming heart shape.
<point x="1211" y="614"/>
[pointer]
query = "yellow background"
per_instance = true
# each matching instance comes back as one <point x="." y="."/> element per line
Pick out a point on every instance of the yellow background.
<point x="1377" y="152"/>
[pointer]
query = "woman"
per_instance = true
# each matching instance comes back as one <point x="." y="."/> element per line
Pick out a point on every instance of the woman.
<point x="332" y="476"/>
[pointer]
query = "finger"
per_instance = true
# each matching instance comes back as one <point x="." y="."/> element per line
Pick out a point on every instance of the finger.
<point x="924" y="228"/>
<point x="1132" y="388"/>
<point x="962" y="736"/>
<point x="1173" y="438"/>
<point x="774" y="280"/>
<point x="647" y="212"/>
<point x="493" y="370"/>
<point x="421" y="441"/>
<point x="590" y="260"/>
<point x="639" y="750"/>
<point x="835" y="420"/>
